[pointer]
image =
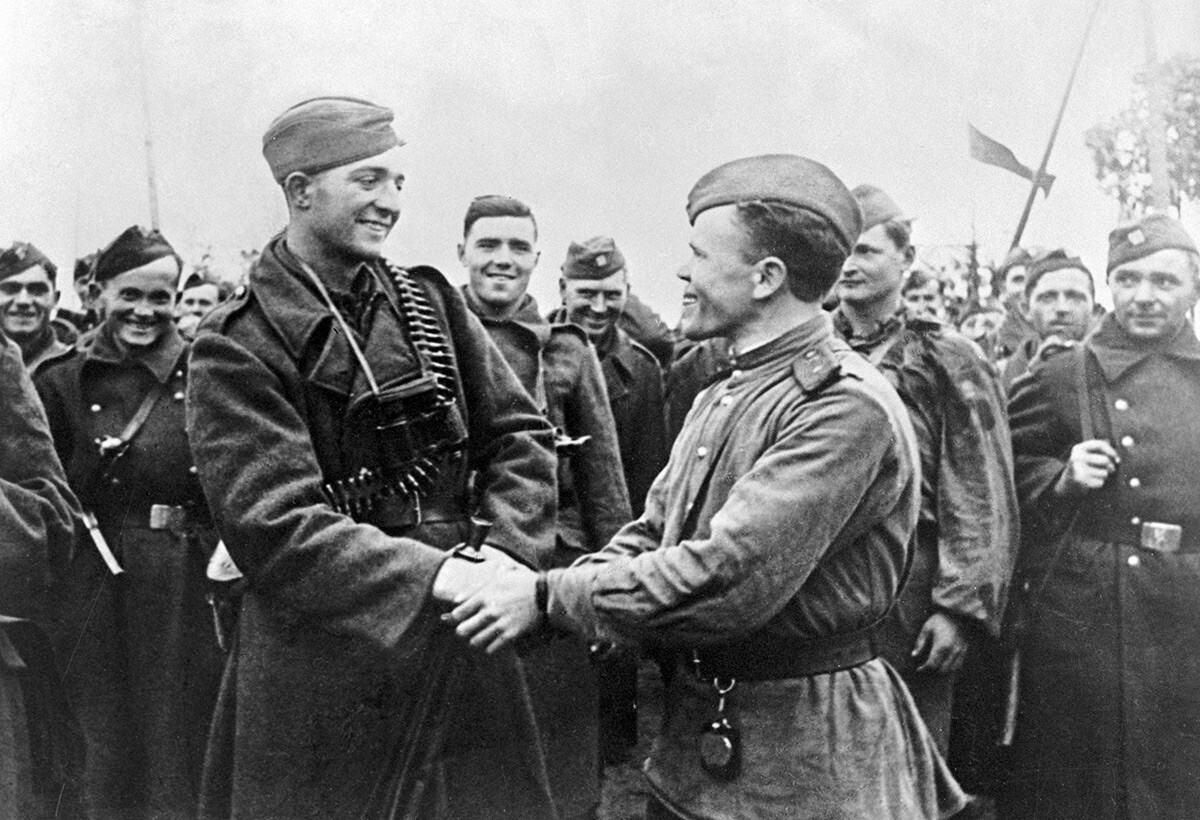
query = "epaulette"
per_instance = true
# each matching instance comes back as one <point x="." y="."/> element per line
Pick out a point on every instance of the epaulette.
<point x="644" y="351"/>
<point x="61" y="356"/>
<point x="817" y="367"/>
<point x="923" y="324"/>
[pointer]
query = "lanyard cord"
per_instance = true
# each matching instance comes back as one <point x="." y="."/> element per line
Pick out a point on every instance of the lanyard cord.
<point x="358" y="354"/>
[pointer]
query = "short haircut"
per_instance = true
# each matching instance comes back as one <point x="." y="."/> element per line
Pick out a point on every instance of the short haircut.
<point x="493" y="205"/>
<point x="1036" y="274"/>
<point x="806" y="243"/>
<point x="919" y="278"/>
<point x="198" y="278"/>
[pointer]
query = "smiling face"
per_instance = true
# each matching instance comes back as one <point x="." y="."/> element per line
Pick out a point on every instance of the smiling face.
<point x="719" y="297"/>
<point x="874" y="270"/>
<point x="1060" y="303"/>
<point x="595" y="304"/>
<point x="139" y="304"/>
<point x="347" y="212"/>
<point x="499" y="253"/>
<point x="1153" y="295"/>
<point x="26" y="300"/>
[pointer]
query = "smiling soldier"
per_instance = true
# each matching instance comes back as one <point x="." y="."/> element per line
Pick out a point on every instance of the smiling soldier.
<point x="27" y="298"/>
<point x="145" y="664"/>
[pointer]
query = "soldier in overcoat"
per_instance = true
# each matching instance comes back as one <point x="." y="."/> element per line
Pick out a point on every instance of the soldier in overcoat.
<point x="1108" y="467"/>
<point x="140" y="656"/>
<point x="347" y="417"/>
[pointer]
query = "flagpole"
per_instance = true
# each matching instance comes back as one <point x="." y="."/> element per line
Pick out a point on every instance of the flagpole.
<point x="152" y="184"/>
<point x="1062" y="107"/>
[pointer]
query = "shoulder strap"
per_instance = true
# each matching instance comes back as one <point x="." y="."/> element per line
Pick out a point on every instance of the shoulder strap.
<point x="877" y="355"/>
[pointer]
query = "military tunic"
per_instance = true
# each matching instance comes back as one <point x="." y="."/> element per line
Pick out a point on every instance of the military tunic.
<point x="643" y="325"/>
<point x="1109" y="719"/>
<point x="144" y="663"/>
<point x="558" y="368"/>
<point x="338" y="613"/>
<point x="783" y="517"/>
<point x="45" y="347"/>
<point x="967" y="538"/>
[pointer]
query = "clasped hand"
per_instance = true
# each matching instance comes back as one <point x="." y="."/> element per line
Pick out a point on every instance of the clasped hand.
<point x="494" y="600"/>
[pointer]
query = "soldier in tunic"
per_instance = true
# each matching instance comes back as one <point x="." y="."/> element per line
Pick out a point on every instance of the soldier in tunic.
<point x="1108" y="466"/>
<point x="595" y="295"/>
<point x="966" y="540"/>
<point x="773" y="542"/>
<point x="144" y="664"/>
<point x="348" y="416"/>
<point x="1016" y="328"/>
<point x="558" y="367"/>
<point x="27" y="300"/>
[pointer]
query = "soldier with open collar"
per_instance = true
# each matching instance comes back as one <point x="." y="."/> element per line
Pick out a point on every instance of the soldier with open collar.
<point x="28" y="296"/>
<point x="144" y="664"/>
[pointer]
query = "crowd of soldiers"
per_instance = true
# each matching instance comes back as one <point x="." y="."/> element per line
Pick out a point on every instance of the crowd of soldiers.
<point x="352" y="542"/>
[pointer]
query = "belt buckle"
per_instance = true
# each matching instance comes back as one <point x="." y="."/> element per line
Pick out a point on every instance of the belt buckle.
<point x="1161" y="537"/>
<point x="167" y="517"/>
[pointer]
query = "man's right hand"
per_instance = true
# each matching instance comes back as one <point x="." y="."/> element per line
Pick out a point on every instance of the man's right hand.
<point x="1088" y="467"/>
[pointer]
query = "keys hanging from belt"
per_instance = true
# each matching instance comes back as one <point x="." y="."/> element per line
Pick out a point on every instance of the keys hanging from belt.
<point x="106" y="553"/>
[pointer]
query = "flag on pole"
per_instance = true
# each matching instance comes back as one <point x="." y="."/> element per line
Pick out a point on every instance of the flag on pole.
<point x="987" y="150"/>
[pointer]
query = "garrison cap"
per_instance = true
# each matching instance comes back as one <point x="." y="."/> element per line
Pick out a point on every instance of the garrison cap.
<point x="135" y="247"/>
<point x="1049" y="261"/>
<point x="1150" y="234"/>
<point x="595" y="258"/>
<point x="84" y="265"/>
<point x="21" y="257"/>
<point x="783" y="178"/>
<point x="1017" y="258"/>
<point x="326" y="132"/>
<point x="877" y="207"/>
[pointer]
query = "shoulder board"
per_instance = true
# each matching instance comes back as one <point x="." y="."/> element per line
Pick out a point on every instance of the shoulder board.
<point x="570" y="330"/>
<point x="61" y="356"/>
<point x="924" y="324"/>
<point x="220" y="316"/>
<point x="644" y="351"/>
<point x="817" y="367"/>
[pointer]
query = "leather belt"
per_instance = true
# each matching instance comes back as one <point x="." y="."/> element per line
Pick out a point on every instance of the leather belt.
<point x="170" y="517"/>
<point x="779" y="659"/>
<point x="1155" y="536"/>
<point x="391" y="513"/>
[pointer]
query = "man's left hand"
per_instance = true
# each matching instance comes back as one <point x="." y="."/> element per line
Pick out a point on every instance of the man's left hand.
<point x="943" y="642"/>
<point x="500" y="612"/>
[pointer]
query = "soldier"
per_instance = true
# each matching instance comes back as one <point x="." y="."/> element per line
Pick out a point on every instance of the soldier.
<point x="595" y="294"/>
<point x="924" y="295"/>
<point x="772" y="543"/>
<point x="87" y="317"/>
<point x="957" y="586"/>
<point x="1009" y="281"/>
<point x="347" y="417"/>
<point x="1108" y="464"/>
<point x="144" y="662"/>
<point x="1060" y="298"/>
<point x="27" y="301"/>
<point x="559" y="369"/>
<point x="199" y="296"/>
<point x="38" y="513"/>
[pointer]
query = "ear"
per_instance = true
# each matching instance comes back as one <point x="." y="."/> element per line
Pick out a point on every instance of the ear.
<point x="910" y="255"/>
<point x="562" y="288"/>
<point x="769" y="276"/>
<point x="56" y="297"/>
<point x="298" y="190"/>
<point x="462" y="247"/>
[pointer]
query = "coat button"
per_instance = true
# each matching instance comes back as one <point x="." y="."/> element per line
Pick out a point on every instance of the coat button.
<point x="701" y="452"/>
<point x="1133" y="561"/>
<point x="1121" y="404"/>
<point x="726" y="401"/>
<point x="1127" y="441"/>
<point x="1135" y="482"/>
<point x="95" y="408"/>
<point x="178" y="395"/>
<point x="1135" y="521"/>
<point x="193" y="470"/>
<point x="116" y="482"/>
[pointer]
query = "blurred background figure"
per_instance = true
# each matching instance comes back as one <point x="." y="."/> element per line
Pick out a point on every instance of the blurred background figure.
<point x="924" y="295"/>
<point x="27" y="301"/>
<point x="201" y="292"/>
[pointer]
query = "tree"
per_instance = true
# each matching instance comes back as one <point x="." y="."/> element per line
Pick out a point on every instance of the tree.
<point x="1119" y="146"/>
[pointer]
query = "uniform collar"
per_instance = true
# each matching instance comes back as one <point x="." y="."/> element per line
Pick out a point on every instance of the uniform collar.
<point x="160" y="360"/>
<point x="784" y="349"/>
<point x="1117" y="352"/>
<point x="526" y="317"/>
<point x="881" y="331"/>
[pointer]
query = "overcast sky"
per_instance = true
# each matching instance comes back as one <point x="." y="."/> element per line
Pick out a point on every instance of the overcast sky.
<point x="600" y="115"/>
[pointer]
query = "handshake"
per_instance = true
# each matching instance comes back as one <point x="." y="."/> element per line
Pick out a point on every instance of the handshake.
<point x="495" y="599"/>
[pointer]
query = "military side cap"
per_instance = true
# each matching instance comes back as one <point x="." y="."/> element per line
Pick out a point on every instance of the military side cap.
<point x="1150" y="234"/>
<point x="783" y="178"/>
<point x="1048" y="261"/>
<point x="21" y="257"/>
<point x="877" y="207"/>
<point x="595" y="258"/>
<point x="135" y="247"/>
<point x="84" y="264"/>
<point x="326" y="132"/>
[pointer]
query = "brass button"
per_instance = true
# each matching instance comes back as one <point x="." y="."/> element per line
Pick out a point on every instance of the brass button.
<point x="726" y="401"/>
<point x="701" y="452"/>
<point x="178" y="395"/>
<point x="95" y="408"/>
<point x="1135" y="521"/>
<point x="1135" y="482"/>
<point x="1133" y="560"/>
<point x="193" y="469"/>
<point x="1121" y="404"/>
<point x="1127" y="441"/>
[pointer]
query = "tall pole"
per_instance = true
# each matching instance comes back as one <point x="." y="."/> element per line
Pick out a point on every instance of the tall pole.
<point x="1159" y="195"/>
<point x="1062" y="107"/>
<point x="152" y="184"/>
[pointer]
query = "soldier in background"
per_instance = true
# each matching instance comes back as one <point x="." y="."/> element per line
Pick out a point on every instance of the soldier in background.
<point x="198" y="297"/>
<point x="966" y="539"/>
<point x="559" y="369"/>
<point x="145" y="664"/>
<point x="1009" y="282"/>
<point x="28" y="297"/>
<point x="1107" y="448"/>
<point x="924" y="295"/>
<point x="87" y="317"/>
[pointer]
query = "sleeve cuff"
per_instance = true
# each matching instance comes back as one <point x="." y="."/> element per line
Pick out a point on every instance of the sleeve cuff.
<point x="570" y="604"/>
